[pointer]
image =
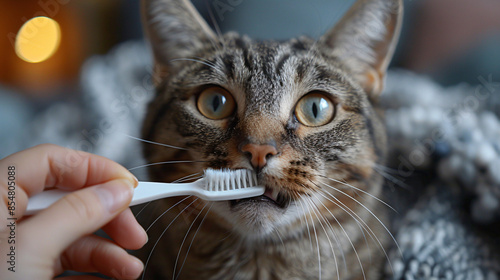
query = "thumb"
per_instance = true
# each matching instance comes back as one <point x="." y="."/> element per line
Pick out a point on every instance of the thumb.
<point x="75" y="215"/>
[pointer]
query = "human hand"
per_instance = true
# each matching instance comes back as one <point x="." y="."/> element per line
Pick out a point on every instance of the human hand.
<point x="60" y="237"/>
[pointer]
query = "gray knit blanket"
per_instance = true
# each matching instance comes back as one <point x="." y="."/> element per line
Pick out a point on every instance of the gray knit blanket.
<point x="443" y="173"/>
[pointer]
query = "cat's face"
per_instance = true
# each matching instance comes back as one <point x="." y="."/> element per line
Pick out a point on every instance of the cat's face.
<point x="298" y="113"/>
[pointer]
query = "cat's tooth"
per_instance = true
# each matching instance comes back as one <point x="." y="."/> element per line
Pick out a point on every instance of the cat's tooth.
<point x="274" y="194"/>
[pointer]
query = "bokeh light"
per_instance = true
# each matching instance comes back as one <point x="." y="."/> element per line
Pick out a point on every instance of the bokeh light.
<point x="38" y="39"/>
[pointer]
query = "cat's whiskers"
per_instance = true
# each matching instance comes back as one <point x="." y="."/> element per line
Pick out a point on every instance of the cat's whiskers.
<point x="359" y="190"/>
<point x="329" y="241"/>
<point x="180" y="180"/>
<point x="216" y="27"/>
<point x="366" y="208"/>
<point x="381" y="169"/>
<point x="312" y="48"/>
<point x="371" y="232"/>
<point x="142" y="209"/>
<point x="227" y="236"/>
<point x="365" y="226"/>
<point x="192" y="177"/>
<point x="303" y="222"/>
<point x="386" y="168"/>
<point x="361" y="223"/>
<point x="192" y="240"/>
<point x="317" y="241"/>
<point x="345" y="207"/>
<point x="155" y="143"/>
<point x="207" y="61"/>
<point x="337" y="239"/>
<point x="213" y="66"/>
<point x="328" y="238"/>
<point x="166" y="211"/>
<point x="334" y="233"/>
<point x="307" y="223"/>
<point x="164" y="231"/>
<point x="320" y="23"/>
<point x="345" y="233"/>
<point x="165" y="162"/>
<point x="276" y="230"/>
<point x="182" y="243"/>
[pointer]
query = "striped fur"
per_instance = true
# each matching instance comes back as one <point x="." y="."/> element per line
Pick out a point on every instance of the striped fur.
<point x="329" y="226"/>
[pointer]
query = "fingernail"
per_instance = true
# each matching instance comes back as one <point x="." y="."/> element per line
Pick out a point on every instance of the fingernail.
<point x="137" y="265"/>
<point x="115" y="195"/>
<point x="133" y="180"/>
<point x="136" y="181"/>
<point x="146" y="237"/>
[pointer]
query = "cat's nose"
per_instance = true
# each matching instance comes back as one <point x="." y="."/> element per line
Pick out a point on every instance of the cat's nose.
<point x="259" y="154"/>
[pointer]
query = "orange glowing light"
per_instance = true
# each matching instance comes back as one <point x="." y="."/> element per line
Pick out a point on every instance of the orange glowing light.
<point x="38" y="39"/>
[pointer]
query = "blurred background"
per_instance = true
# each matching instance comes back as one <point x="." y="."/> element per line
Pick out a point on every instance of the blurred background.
<point x="87" y="28"/>
<point x="452" y="41"/>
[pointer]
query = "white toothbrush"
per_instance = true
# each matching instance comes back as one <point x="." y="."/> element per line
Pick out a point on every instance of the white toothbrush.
<point x="216" y="185"/>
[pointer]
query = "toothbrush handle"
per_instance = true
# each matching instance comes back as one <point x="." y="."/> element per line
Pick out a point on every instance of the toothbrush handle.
<point x="149" y="191"/>
<point x="145" y="192"/>
<point x="43" y="200"/>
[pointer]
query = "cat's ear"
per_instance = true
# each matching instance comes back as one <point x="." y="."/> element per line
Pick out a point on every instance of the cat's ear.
<point x="364" y="41"/>
<point x="175" y="29"/>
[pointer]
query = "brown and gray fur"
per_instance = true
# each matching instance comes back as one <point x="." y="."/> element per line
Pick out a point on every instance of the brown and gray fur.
<point x="323" y="173"/>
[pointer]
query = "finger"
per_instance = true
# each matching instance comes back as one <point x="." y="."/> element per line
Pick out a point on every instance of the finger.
<point x="49" y="165"/>
<point x="80" y="277"/>
<point x="75" y="215"/>
<point x="126" y="231"/>
<point x="13" y="199"/>
<point x="96" y="254"/>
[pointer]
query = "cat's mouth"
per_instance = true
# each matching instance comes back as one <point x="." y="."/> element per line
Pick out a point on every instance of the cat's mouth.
<point x="271" y="197"/>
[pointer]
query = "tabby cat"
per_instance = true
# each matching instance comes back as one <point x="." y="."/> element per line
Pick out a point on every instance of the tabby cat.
<point x="301" y="114"/>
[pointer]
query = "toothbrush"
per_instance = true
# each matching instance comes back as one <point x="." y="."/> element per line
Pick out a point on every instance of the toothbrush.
<point x="216" y="185"/>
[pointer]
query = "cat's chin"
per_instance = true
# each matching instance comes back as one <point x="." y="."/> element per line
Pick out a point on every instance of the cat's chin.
<point x="256" y="218"/>
<point x="270" y="197"/>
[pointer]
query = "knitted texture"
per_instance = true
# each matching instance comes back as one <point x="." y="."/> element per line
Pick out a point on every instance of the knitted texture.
<point x="450" y="136"/>
<point x="439" y="241"/>
<point x="454" y="131"/>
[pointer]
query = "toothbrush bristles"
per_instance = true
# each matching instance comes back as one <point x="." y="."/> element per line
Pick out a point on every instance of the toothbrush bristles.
<point x="227" y="179"/>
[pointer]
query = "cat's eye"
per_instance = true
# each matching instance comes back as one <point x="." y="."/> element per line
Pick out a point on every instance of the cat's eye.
<point x="315" y="109"/>
<point x="216" y="103"/>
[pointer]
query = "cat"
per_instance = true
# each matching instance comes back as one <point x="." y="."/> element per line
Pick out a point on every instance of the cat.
<point x="302" y="114"/>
